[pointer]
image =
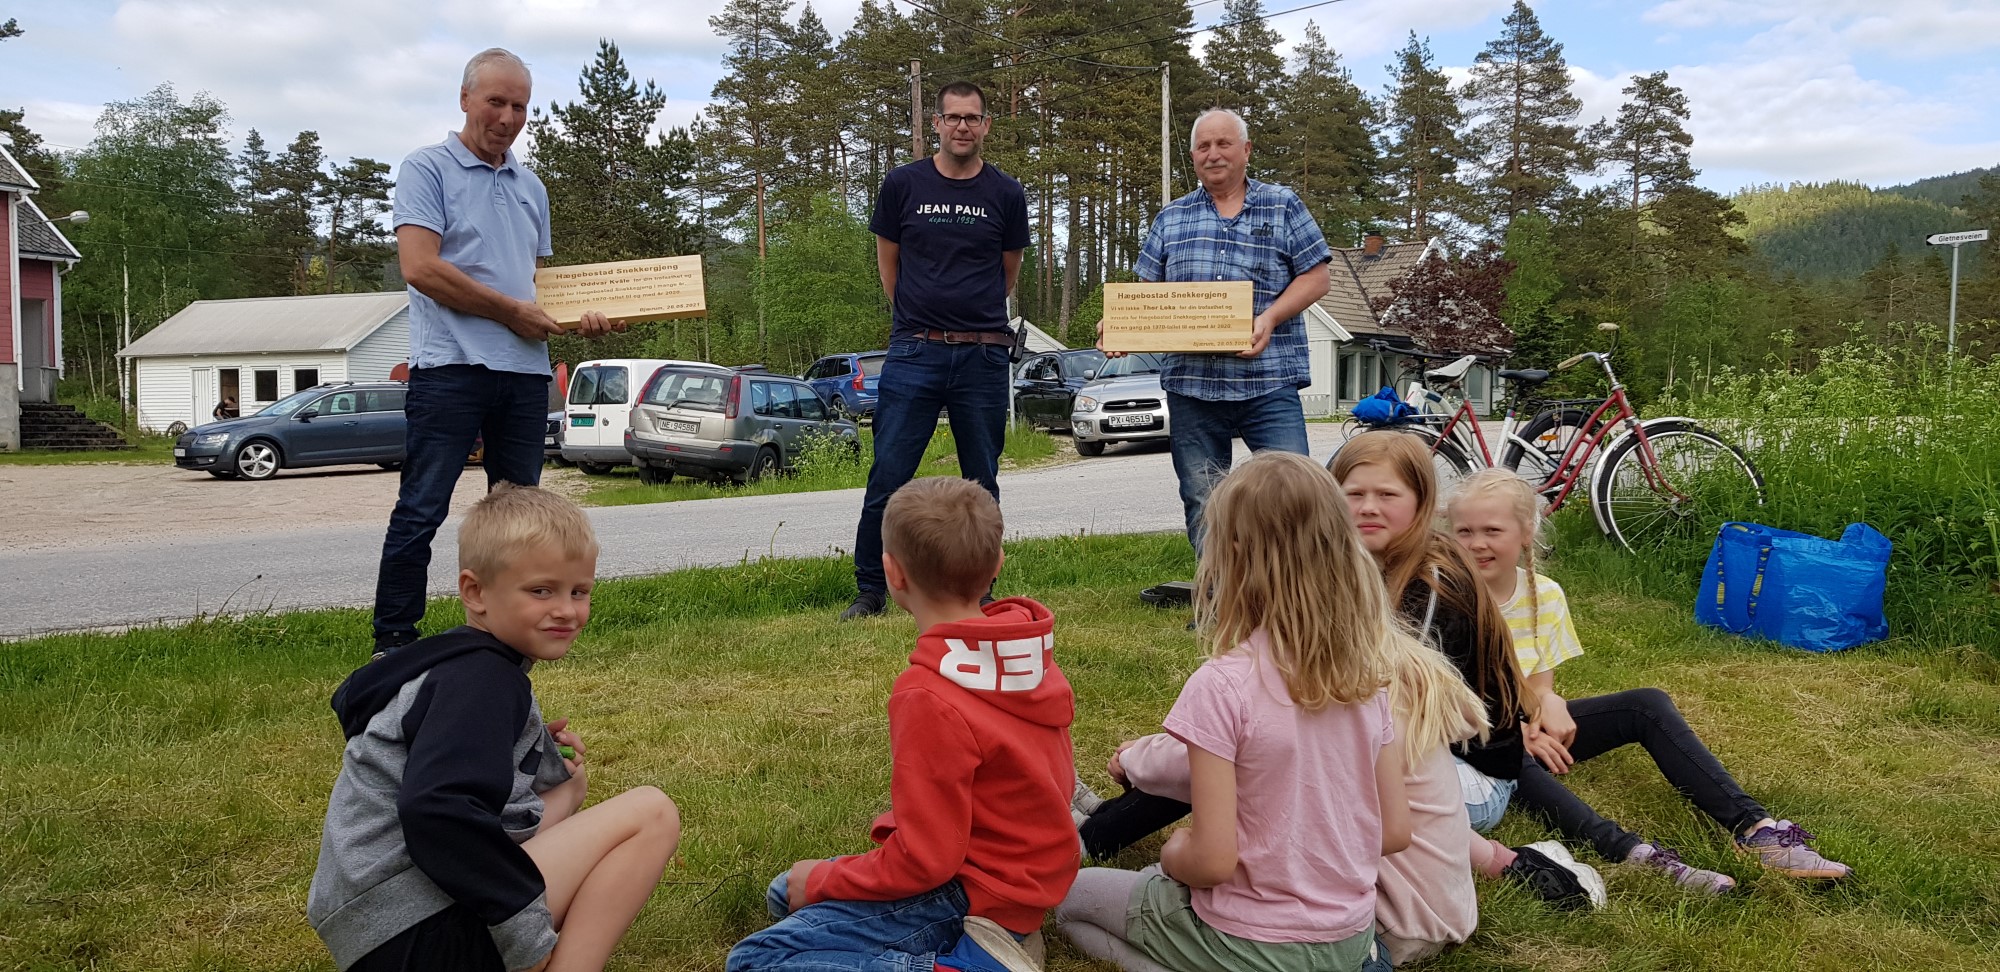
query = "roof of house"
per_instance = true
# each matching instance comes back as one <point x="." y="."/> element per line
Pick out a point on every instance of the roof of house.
<point x="40" y="238"/>
<point x="1039" y="340"/>
<point x="1358" y="279"/>
<point x="258" y="325"/>
<point x="13" y="176"/>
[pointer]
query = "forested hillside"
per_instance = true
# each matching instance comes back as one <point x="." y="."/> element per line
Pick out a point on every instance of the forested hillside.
<point x="1950" y="190"/>
<point x="1837" y="230"/>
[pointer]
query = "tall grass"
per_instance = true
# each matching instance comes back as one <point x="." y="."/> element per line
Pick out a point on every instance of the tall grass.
<point x="1889" y="435"/>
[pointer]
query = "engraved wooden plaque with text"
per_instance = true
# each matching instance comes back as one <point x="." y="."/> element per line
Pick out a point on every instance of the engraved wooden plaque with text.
<point x="631" y="290"/>
<point x="1202" y="317"/>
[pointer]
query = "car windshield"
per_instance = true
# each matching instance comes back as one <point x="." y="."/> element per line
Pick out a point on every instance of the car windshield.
<point x="872" y="365"/>
<point x="291" y="403"/>
<point x="688" y="389"/>
<point x="1132" y="364"/>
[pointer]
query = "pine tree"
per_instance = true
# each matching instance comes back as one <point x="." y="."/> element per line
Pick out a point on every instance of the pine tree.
<point x="1243" y="59"/>
<point x="1322" y="142"/>
<point x="1648" y="141"/>
<point x="1422" y="149"/>
<point x="752" y="103"/>
<point x="352" y="199"/>
<point x="1520" y="87"/>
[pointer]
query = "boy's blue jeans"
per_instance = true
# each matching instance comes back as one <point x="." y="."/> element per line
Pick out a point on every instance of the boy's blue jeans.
<point x="1201" y="445"/>
<point x="910" y="935"/>
<point x="969" y="383"/>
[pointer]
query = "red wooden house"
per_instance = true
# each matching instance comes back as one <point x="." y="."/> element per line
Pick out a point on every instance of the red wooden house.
<point x="34" y="254"/>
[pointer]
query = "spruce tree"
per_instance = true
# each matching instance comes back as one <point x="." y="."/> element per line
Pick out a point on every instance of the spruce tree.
<point x="1243" y="58"/>
<point x="1322" y="145"/>
<point x="1526" y="131"/>
<point x="1422" y="145"/>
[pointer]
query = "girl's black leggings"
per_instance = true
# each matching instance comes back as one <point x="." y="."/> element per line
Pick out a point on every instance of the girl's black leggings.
<point x="1603" y="723"/>
<point x="1648" y="717"/>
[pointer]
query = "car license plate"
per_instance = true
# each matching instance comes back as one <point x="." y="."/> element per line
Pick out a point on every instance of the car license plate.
<point x="180" y="453"/>
<point x="687" y="428"/>
<point x="1128" y="421"/>
<point x="582" y="421"/>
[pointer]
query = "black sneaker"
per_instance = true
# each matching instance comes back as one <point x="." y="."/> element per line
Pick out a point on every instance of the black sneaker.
<point x="1557" y="878"/>
<point x="1169" y="594"/>
<point x="387" y="643"/>
<point x="867" y="604"/>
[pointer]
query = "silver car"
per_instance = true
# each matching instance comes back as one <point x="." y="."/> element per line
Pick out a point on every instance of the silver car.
<point x="1124" y="404"/>
<point x="743" y="423"/>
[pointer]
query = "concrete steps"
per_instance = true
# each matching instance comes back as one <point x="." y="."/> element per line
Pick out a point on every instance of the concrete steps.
<point x="51" y="426"/>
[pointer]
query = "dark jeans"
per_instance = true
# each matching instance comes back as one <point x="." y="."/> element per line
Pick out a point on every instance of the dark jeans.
<point x="1127" y="819"/>
<point x="966" y="381"/>
<point x="448" y="409"/>
<point x="1201" y="434"/>
<point x="1648" y="717"/>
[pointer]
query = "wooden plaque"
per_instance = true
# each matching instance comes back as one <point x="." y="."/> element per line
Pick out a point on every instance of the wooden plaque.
<point x="631" y="290"/>
<point x="1202" y="317"/>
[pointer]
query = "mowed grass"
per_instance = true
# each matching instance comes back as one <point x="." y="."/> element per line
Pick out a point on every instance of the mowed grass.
<point x="161" y="791"/>
<point x="146" y="450"/>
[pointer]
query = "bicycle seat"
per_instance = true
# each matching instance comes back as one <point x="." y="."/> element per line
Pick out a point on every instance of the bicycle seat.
<point x="1453" y="371"/>
<point x="1530" y="376"/>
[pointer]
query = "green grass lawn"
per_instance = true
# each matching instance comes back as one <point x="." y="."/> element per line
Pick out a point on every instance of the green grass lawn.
<point x="819" y="469"/>
<point x="146" y="449"/>
<point x="161" y="790"/>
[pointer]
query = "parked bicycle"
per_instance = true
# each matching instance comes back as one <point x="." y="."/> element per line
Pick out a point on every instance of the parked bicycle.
<point x="1440" y="401"/>
<point x="1656" y="479"/>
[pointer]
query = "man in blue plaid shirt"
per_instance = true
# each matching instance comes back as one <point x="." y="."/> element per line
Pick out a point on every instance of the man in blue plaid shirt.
<point x="1236" y="228"/>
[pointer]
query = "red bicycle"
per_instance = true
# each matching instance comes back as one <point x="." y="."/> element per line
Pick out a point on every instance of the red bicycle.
<point x="1658" y="479"/>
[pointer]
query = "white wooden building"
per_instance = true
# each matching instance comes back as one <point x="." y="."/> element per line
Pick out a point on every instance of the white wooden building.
<point x="258" y="350"/>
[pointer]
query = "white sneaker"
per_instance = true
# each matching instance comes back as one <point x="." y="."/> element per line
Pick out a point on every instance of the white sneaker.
<point x="1593" y="882"/>
<point x="1001" y="944"/>
<point x="1083" y="800"/>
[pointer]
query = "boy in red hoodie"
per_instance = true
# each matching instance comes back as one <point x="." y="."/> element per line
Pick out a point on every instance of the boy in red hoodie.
<point x="978" y="842"/>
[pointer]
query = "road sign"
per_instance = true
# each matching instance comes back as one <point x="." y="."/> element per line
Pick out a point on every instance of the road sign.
<point x="1951" y="239"/>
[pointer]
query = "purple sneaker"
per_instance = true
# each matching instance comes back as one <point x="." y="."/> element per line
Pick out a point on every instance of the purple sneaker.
<point x="1786" y="849"/>
<point x="1684" y="874"/>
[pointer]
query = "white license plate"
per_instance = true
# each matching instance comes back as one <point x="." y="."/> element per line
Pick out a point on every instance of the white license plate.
<point x="180" y="453"/>
<point x="1128" y="421"/>
<point x="688" y="428"/>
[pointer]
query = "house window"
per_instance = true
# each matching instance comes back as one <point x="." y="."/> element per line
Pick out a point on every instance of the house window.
<point x="1343" y="376"/>
<point x="304" y="378"/>
<point x="229" y="380"/>
<point x="266" y="383"/>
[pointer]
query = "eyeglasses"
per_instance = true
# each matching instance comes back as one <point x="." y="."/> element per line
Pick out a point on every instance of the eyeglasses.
<point x="967" y="121"/>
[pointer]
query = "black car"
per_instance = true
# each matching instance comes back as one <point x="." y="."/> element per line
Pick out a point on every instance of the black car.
<point x="326" y="425"/>
<point x="1045" y="384"/>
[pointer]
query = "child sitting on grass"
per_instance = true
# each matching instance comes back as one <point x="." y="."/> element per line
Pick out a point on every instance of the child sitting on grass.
<point x="1496" y="517"/>
<point x="977" y="844"/>
<point x="453" y="838"/>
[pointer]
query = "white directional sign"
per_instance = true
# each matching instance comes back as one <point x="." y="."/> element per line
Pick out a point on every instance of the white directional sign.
<point x="1947" y="239"/>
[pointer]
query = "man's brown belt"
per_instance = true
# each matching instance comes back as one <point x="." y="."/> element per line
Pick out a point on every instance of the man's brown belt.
<point x="1005" y="338"/>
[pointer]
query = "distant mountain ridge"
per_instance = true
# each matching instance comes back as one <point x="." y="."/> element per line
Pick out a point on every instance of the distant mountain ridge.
<point x="1838" y="230"/>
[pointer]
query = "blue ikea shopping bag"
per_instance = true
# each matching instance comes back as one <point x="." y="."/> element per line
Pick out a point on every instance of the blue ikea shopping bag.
<point x="1382" y="408"/>
<point x="1796" y="589"/>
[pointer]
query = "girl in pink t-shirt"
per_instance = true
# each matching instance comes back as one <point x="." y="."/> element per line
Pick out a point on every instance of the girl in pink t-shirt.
<point x="1296" y="774"/>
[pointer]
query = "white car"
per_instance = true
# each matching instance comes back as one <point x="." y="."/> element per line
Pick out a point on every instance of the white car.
<point x="1124" y="404"/>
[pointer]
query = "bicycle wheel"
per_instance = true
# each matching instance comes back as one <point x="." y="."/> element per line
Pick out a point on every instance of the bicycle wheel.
<point x="1550" y="434"/>
<point x="1701" y="483"/>
<point x="1447" y="459"/>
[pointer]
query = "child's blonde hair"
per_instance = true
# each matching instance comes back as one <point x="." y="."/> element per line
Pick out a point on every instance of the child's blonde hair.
<point x="512" y="522"/>
<point x="1279" y="553"/>
<point x="946" y="532"/>
<point x="1526" y="506"/>
<point x="1432" y="704"/>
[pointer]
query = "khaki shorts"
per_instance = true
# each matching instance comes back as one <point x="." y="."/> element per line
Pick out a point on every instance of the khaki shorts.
<point x="1161" y="922"/>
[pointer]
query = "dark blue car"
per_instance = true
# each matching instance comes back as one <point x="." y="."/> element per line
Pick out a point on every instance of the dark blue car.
<point x="326" y="425"/>
<point x="847" y="381"/>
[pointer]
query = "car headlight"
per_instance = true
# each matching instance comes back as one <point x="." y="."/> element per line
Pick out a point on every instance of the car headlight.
<point x="211" y="438"/>
<point x="1085" y="403"/>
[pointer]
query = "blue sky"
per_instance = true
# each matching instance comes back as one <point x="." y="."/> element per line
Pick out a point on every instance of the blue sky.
<point x="1781" y="90"/>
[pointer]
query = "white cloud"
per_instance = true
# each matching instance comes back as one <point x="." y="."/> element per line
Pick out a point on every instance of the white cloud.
<point x="1906" y="28"/>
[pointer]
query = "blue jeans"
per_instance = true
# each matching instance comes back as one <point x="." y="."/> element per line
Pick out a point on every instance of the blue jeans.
<point x="448" y="409"/>
<point x="1201" y="446"/>
<point x="969" y="383"/>
<point x="909" y="935"/>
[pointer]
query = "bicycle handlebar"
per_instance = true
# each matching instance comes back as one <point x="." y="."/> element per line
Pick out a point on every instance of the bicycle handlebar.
<point x="1575" y="360"/>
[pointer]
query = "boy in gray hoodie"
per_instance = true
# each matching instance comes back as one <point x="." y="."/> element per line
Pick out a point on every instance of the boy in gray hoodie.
<point x="454" y="839"/>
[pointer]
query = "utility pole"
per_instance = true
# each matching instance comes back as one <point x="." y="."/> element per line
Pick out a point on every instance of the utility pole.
<point x="1166" y="143"/>
<point x="1954" y="240"/>
<point x="125" y="274"/>
<point x="916" y="109"/>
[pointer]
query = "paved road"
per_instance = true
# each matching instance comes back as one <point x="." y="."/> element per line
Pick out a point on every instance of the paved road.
<point x="1131" y="490"/>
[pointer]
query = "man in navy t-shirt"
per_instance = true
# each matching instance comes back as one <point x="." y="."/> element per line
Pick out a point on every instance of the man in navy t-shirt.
<point x="949" y="231"/>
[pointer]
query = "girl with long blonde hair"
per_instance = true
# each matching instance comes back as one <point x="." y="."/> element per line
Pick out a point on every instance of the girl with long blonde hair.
<point x="1497" y="518"/>
<point x="1293" y="767"/>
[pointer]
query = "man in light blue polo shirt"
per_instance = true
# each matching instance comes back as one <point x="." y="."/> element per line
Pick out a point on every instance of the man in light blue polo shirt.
<point x="471" y="227"/>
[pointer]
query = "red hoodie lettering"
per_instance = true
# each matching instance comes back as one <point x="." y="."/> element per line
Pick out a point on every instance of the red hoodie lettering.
<point x="1002" y="666"/>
